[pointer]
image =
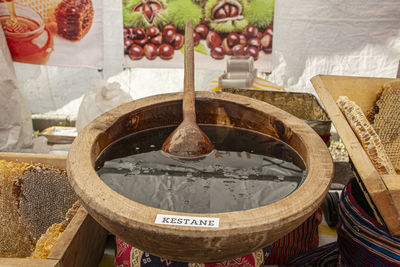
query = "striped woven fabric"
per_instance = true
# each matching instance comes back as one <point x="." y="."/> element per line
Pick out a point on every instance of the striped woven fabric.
<point x="303" y="238"/>
<point x="362" y="241"/>
<point x="326" y="256"/>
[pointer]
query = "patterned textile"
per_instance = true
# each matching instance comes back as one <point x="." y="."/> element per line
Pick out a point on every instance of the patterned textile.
<point x="302" y="239"/>
<point x="362" y="241"/>
<point x="128" y="256"/>
<point x="326" y="138"/>
<point x="324" y="256"/>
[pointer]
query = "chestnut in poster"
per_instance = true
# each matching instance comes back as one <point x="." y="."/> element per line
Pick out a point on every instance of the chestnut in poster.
<point x="154" y="29"/>
<point x="53" y="32"/>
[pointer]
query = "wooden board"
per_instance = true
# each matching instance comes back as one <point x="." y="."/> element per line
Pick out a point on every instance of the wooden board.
<point x="383" y="191"/>
<point x="18" y="262"/>
<point x="81" y="244"/>
<point x="56" y="161"/>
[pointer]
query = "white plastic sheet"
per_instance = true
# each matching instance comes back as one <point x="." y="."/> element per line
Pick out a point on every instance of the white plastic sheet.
<point x="15" y="117"/>
<point x="359" y="37"/>
<point x="103" y="97"/>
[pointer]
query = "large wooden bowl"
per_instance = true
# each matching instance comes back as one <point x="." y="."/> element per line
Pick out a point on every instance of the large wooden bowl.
<point x="239" y="232"/>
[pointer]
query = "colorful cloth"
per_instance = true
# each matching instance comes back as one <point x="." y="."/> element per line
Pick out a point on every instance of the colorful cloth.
<point x="362" y="240"/>
<point x="128" y="256"/>
<point x="302" y="239"/>
<point x="324" y="256"/>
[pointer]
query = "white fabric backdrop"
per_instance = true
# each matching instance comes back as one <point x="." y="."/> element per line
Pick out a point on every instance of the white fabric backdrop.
<point x="358" y="37"/>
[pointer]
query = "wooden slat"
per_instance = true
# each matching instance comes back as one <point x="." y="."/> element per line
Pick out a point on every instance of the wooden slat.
<point x="26" y="262"/>
<point x="393" y="183"/>
<point x="82" y="243"/>
<point x="362" y="91"/>
<point x="56" y="161"/>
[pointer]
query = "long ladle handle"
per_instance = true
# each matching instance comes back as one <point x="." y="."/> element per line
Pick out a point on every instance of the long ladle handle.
<point x="189" y="112"/>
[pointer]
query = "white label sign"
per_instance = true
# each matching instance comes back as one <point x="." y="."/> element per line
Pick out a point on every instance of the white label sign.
<point x="187" y="221"/>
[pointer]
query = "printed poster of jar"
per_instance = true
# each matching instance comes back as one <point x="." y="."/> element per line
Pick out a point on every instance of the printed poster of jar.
<point x="154" y="29"/>
<point x="54" y="32"/>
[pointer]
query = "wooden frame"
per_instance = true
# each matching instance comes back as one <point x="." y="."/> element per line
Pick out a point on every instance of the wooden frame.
<point x="81" y="244"/>
<point x="239" y="232"/>
<point x="383" y="191"/>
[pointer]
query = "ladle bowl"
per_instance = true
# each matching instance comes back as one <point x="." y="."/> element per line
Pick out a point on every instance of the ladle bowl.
<point x="239" y="232"/>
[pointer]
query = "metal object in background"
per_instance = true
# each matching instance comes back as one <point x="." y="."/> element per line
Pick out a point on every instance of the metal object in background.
<point x="398" y="71"/>
<point x="240" y="72"/>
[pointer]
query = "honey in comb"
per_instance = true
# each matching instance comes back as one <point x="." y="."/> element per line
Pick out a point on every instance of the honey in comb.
<point x="16" y="240"/>
<point x="387" y="121"/>
<point x="74" y="18"/>
<point x="46" y="8"/>
<point x="32" y="198"/>
<point x="367" y="136"/>
<point x="49" y="239"/>
<point x="374" y="109"/>
<point x="46" y="196"/>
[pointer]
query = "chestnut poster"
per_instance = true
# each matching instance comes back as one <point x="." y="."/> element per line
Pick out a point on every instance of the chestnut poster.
<point x="54" y="32"/>
<point x="153" y="32"/>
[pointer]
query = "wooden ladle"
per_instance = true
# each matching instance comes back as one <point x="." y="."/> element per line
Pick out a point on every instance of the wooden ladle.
<point x="188" y="141"/>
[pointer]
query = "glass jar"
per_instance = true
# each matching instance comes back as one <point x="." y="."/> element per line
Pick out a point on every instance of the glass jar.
<point x="29" y="41"/>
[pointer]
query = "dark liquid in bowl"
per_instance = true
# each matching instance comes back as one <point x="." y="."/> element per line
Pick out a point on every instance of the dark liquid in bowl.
<point x="247" y="170"/>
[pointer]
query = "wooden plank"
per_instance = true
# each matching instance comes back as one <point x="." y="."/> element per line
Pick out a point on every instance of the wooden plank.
<point x="56" y="161"/>
<point x="18" y="262"/>
<point x="362" y="91"/>
<point x="82" y="243"/>
<point x="393" y="183"/>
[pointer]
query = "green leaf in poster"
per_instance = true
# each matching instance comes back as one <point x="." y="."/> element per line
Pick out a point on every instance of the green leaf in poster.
<point x="198" y="48"/>
<point x="201" y="49"/>
<point x="179" y="11"/>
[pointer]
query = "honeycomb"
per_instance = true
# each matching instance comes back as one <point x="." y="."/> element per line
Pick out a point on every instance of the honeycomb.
<point x="74" y="18"/>
<point x="46" y="8"/>
<point x="47" y="240"/>
<point x="32" y="199"/>
<point x="387" y="121"/>
<point x="16" y="240"/>
<point x="367" y="136"/>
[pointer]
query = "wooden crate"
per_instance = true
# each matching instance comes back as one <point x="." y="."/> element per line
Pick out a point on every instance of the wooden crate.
<point x="81" y="244"/>
<point x="304" y="106"/>
<point x="383" y="190"/>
